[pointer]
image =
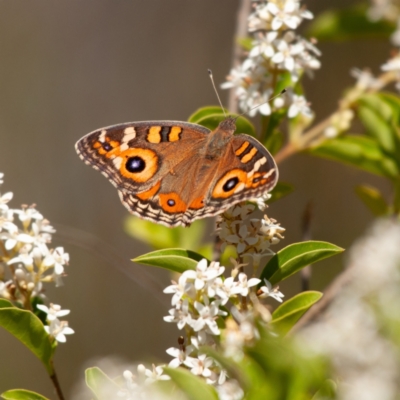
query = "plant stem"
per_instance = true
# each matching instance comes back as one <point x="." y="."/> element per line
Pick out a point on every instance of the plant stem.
<point x="307" y="139"/>
<point x="56" y="384"/>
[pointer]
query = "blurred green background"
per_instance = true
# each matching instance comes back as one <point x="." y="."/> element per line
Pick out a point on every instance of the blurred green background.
<point x="69" y="67"/>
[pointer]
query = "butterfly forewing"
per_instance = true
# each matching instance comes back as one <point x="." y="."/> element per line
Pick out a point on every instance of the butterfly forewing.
<point x="134" y="156"/>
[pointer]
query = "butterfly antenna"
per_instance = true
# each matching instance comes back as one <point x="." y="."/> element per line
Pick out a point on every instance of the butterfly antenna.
<point x="259" y="105"/>
<point x="216" y="91"/>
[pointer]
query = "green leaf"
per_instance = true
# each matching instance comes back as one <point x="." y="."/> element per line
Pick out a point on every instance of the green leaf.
<point x="271" y="136"/>
<point x="288" y="313"/>
<point x="176" y="260"/>
<point x="103" y="387"/>
<point x="211" y="116"/>
<point x="281" y="189"/>
<point x="349" y="23"/>
<point x="21" y="394"/>
<point x="29" y="330"/>
<point x="249" y="375"/>
<point x="246" y="43"/>
<point x="373" y="199"/>
<point x="296" y="256"/>
<point x="380" y="120"/>
<point x="194" y="387"/>
<point x="204" y="112"/>
<point x="358" y="151"/>
<point x="293" y="375"/>
<point x="394" y="102"/>
<point x="161" y="237"/>
<point x="396" y="197"/>
<point x="327" y="391"/>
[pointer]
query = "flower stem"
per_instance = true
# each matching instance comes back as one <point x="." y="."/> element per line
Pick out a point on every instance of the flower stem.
<point x="56" y="384"/>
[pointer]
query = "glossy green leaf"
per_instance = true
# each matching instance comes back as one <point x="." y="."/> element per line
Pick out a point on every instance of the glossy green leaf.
<point x="211" y="116"/>
<point x="281" y="189"/>
<point x="380" y="120"/>
<point x="358" y="151"/>
<point x="349" y="23"/>
<point x="296" y="256"/>
<point x="21" y="394"/>
<point x="194" y="387"/>
<point x="161" y="237"/>
<point x="29" y="330"/>
<point x="252" y="379"/>
<point x="176" y="260"/>
<point x="288" y="313"/>
<point x="205" y="112"/>
<point x="293" y="375"/>
<point x="373" y="199"/>
<point x="327" y="391"/>
<point x="103" y="387"/>
<point x="274" y="142"/>
<point x="393" y="101"/>
<point x="271" y="136"/>
<point x="396" y="197"/>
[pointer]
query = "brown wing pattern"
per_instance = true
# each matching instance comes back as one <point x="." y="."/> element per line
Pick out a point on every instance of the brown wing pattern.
<point x="135" y="156"/>
<point x="203" y="188"/>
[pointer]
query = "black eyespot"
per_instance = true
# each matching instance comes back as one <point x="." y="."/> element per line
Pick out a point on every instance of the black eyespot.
<point x="135" y="164"/>
<point x="107" y="146"/>
<point x="256" y="180"/>
<point x="230" y="184"/>
<point x="171" y="202"/>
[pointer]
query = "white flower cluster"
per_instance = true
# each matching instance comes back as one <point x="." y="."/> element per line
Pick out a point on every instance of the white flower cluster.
<point x="198" y="299"/>
<point x="56" y="328"/>
<point x="26" y="257"/>
<point x="252" y="237"/>
<point x="276" y="50"/>
<point x="359" y="331"/>
<point x="138" y="386"/>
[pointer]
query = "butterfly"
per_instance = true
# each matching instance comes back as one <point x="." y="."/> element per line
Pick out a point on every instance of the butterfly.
<point x="173" y="172"/>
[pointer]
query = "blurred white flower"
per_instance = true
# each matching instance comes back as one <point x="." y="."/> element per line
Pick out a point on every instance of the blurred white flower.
<point x="200" y="365"/>
<point x="58" y="329"/>
<point x="268" y="291"/>
<point x="354" y="331"/>
<point x="53" y="312"/>
<point x="299" y="106"/>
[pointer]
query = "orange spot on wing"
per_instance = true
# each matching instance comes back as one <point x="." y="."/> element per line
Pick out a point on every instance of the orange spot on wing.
<point x="174" y="134"/>
<point x="197" y="203"/>
<point x="249" y="155"/>
<point x="99" y="146"/>
<point x="242" y="148"/>
<point x="220" y="192"/>
<point x="151" y="164"/>
<point x="172" y="203"/>
<point x="154" y="135"/>
<point x="148" y="194"/>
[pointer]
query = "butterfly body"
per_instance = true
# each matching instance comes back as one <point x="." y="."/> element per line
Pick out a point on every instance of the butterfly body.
<point x="174" y="172"/>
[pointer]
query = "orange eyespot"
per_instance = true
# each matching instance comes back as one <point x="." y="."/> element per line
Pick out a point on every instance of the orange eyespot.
<point x="140" y="165"/>
<point x="108" y="148"/>
<point x="172" y="203"/>
<point x="232" y="182"/>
